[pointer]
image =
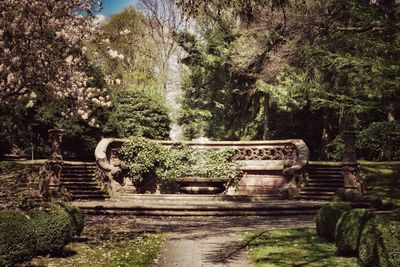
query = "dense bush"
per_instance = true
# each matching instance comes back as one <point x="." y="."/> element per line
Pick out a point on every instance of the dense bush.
<point x="336" y="149"/>
<point x="77" y="218"/>
<point x="327" y="217"/>
<point x="348" y="231"/>
<point x="17" y="238"/>
<point x="138" y="113"/>
<point x="54" y="228"/>
<point x="380" y="244"/>
<point x="380" y="141"/>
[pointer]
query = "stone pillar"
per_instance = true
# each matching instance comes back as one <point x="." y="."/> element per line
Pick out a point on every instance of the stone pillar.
<point x="53" y="164"/>
<point x="351" y="188"/>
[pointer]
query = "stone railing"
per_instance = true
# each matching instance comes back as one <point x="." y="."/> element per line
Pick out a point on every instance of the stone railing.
<point x="269" y="167"/>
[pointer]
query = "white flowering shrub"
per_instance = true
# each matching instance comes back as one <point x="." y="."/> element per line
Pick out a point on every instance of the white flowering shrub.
<point x="42" y="51"/>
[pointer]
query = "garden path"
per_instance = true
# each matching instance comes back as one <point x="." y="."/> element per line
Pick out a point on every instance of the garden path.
<point x="204" y="241"/>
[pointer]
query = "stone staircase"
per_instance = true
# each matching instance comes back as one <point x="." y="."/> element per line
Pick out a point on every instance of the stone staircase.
<point x="79" y="180"/>
<point x="324" y="180"/>
<point x="204" y="205"/>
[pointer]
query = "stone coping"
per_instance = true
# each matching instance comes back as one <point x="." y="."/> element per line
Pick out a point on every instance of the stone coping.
<point x="301" y="160"/>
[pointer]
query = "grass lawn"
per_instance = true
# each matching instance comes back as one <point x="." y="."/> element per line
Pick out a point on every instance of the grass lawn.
<point x="293" y="247"/>
<point x="383" y="181"/>
<point x="102" y="246"/>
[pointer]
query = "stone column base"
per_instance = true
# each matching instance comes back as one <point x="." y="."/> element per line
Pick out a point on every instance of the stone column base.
<point x="349" y="194"/>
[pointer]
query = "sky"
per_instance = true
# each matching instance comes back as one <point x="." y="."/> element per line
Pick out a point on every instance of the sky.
<point x="112" y="6"/>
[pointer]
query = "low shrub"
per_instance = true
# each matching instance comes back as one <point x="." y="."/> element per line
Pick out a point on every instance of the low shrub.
<point x="77" y="217"/>
<point x="380" y="243"/>
<point x="17" y="238"/>
<point x="348" y="231"/>
<point x="327" y="217"/>
<point x="54" y="228"/>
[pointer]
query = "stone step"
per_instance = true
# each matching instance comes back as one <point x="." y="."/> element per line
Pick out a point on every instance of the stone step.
<point x="208" y="209"/>
<point x="84" y="188"/>
<point x="182" y="213"/>
<point x="325" y="167"/>
<point x="79" y="168"/>
<point x="316" y="193"/>
<point x="78" y="171"/>
<point x="73" y="179"/>
<point x="324" y="183"/>
<point x="271" y="207"/>
<point x="325" y="176"/>
<point x="322" y="198"/>
<point x="90" y="197"/>
<point x="87" y="192"/>
<point x="202" y="198"/>
<point x="77" y="175"/>
<point x="78" y="183"/>
<point x="320" y="189"/>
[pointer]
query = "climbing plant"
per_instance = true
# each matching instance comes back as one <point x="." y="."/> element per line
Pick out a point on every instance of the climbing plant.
<point x="147" y="158"/>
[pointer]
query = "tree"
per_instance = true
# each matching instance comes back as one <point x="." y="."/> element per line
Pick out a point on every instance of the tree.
<point x="41" y="44"/>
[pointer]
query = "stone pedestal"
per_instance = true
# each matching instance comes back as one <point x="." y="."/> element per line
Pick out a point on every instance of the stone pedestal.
<point x="351" y="188"/>
<point x="53" y="166"/>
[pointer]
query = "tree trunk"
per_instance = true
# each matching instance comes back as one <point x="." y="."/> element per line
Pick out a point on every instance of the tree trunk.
<point x="326" y="132"/>
<point x="266" y="116"/>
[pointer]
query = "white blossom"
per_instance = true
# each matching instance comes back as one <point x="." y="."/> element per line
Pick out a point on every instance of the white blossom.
<point x="29" y="104"/>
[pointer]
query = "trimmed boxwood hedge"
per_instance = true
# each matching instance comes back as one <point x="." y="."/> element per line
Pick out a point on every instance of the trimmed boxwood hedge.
<point x="327" y="217"/>
<point x="380" y="243"/>
<point x="54" y="228"/>
<point x="348" y="231"/>
<point x="17" y="238"/>
<point x="77" y="217"/>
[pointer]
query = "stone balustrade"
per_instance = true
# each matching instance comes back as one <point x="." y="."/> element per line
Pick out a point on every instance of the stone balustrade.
<point x="269" y="167"/>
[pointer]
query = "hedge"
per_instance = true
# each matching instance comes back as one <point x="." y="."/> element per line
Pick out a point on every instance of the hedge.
<point x="348" y="231"/>
<point x="380" y="243"/>
<point x="17" y="238"/>
<point x="327" y="217"/>
<point x="54" y="229"/>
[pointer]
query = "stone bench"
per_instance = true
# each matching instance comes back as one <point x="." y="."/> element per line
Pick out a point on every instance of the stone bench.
<point x="269" y="167"/>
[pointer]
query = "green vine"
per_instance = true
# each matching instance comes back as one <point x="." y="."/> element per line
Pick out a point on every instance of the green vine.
<point x="148" y="158"/>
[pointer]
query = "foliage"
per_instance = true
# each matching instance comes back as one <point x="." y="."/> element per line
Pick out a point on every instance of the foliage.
<point x="336" y="149"/>
<point x="54" y="228"/>
<point x="291" y="247"/>
<point x="349" y="229"/>
<point x="17" y="237"/>
<point x="327" y="218"/>
<point x="380" y="142"/>
<point x="138" y="112"/>
<point x="77" y="217"/>
<point x="380" y="243"/>
<point x="146" y="158"/>
<point x="217" y="101"/>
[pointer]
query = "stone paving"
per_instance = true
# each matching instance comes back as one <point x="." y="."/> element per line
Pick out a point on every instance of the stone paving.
<point x="203" y="248"/>
<point x="205" y="241"/>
